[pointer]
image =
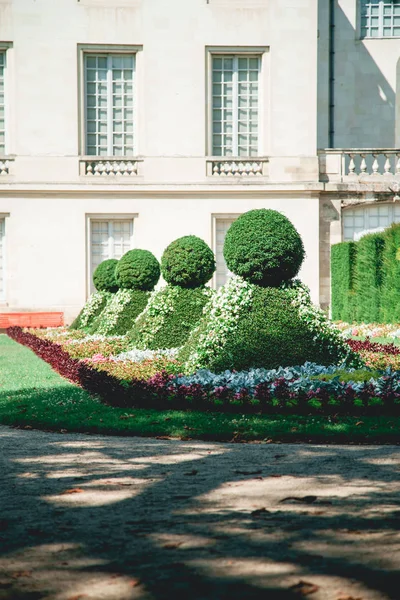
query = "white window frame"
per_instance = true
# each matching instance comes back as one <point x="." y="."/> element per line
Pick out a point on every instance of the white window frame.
<point x="365" y="211"/>
<point x="365" y="31"/>
<point x="214" y="219"/>
<point x="116" y="49"/>
<point x="261" y="52"/>
<point x="5" y="49"/>
<point x="131" y="217"/>
<point x="3" y="242"/>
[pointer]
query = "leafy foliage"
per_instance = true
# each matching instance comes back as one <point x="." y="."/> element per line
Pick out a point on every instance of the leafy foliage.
<point x="104" y="276"/>
<point x="248" y="326"/>
<point x="92" y="309"/>
<point x="120" y="312"/>
<point x="368" y="278"/>
<point x="188" y="262"/>
<point x="343" y="258"/>
<point x="169" y="317"/>
<point x="263" y="247"/>
<point x="297" y="390"/>
<point x="390" y="305"/>
<point x="138" y="270"/>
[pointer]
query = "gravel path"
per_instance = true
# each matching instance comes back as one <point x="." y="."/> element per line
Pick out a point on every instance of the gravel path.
<point x="106" y="518"/>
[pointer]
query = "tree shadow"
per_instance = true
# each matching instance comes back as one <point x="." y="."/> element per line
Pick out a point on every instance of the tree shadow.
<point x="164" y="519"/>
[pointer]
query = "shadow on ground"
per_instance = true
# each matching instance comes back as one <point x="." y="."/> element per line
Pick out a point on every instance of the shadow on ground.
<point x="90" y="517"/>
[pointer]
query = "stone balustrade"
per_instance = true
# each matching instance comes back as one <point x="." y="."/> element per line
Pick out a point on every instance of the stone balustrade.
<point x="237" y="167"/>
<point x="360" y="165"/>
<point x="5" y="165"/>
<point x="110" y="166"/>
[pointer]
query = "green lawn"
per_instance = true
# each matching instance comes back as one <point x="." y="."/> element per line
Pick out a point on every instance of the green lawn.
<point x="33" y="395"/>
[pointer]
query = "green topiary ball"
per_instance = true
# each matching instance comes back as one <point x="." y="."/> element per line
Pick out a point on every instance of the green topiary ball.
<point x="138" y="270"/>
<point x="104" y="276"/>
<point x="188" y="262"/>
<point x="264" y="247"/>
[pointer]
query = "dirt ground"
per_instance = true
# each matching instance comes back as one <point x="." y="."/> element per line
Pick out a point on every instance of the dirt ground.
<point x="110" y="518"/>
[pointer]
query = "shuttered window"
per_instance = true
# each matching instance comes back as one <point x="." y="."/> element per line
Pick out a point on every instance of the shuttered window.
<point x="109" y="239"/>
<point x="2" y="259"/>
<point x="109" y="97"/>
<point x="363" y="219"/>
<point x="221" y="227"/>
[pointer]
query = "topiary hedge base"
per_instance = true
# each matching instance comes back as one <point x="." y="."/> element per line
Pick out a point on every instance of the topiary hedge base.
<point x="249" y="326"/>
<point x="120" y="312"/>
<point x="171" y="315"/>
<point x="92" y="309"/>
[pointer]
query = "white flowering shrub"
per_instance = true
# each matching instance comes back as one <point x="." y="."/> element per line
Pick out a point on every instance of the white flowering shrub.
<point x="221" y="317"/>
<point x="92" y="306"/>
<point x="111" y="313"/>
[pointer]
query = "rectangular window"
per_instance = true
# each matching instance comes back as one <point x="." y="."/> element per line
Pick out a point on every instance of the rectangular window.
<point x="2" y="103"/>
<point x="109" y="239"/>
<point x="2" y="259"/>
<point x="380" y="18"/>
<point x="109" y="104"/>
<point x="222" y="273"/>
<point x="235" y="105"/>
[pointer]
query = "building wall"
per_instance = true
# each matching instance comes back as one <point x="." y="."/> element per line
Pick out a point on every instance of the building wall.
<point x="46" y="198"/>
<point x="46" y="237"/>
<point x="366" y="79"/>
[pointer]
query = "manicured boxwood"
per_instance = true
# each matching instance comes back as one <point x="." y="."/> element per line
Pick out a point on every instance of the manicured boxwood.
<point x="263" y="247"/>
<point x="188" y="262"/>
<point x="170" y="317"/>
<point x="368" y="278"/>
<point x="104" y="276"/>
<point x="269" y="334"/>
<point x="343" y="257"/>
<point x="92" y="309"/>
<point x="390" y="295"/>
<point x="138" y="270"/>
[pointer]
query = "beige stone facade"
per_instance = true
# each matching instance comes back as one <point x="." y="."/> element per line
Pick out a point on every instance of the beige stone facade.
<point x="62" y="206"/>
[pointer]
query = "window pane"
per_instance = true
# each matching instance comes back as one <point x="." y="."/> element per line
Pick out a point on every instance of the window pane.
<point x="2" y="104"/>
<point x="109" y="239"/>
<point x="235" y="90"/>
<point x="109" y="103"/>
<point x="378" y="18"/>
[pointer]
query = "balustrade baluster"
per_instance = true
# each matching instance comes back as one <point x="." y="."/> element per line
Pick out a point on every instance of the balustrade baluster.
<point x="375" y="164"/>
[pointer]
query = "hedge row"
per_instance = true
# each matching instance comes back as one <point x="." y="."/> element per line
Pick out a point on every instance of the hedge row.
<point x="374" y="397"/>
<point x="365" y="278"/>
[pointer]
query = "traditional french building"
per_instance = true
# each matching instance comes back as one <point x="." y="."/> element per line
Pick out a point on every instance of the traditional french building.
<point x="129" y="123"/>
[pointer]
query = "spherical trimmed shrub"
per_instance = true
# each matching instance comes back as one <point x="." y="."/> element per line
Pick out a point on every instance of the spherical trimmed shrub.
<point x="188" y="262"/>
<point x="138" y="270"/>
<point x="104" y="276"/>
<point x="263" y="247"/>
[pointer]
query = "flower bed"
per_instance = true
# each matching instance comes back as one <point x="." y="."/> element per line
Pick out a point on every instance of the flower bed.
<point x="367" y="330"/>
<point x="154" y="382"/>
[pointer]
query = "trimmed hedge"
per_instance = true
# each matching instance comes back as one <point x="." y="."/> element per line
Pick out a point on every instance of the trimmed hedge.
<point x="368" y="278"/>
<point x="343" y="258"/>
<point x="390" y="306"/>
<point x="269" y="334"/>
<point x="188" y="262"/>
<point x="104" y="276"/>
<point x="77" y="323"/>
<point x="120" y="312"/>
<point x="365" y="278"/>
<point x="170" y="318"/>
<point x="263" y="247"/>
<point x="138" y="270"/>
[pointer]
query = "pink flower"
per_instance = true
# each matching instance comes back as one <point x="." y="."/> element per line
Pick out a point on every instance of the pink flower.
<point x="98" y="358"/>
<point x="354" y="331"/>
